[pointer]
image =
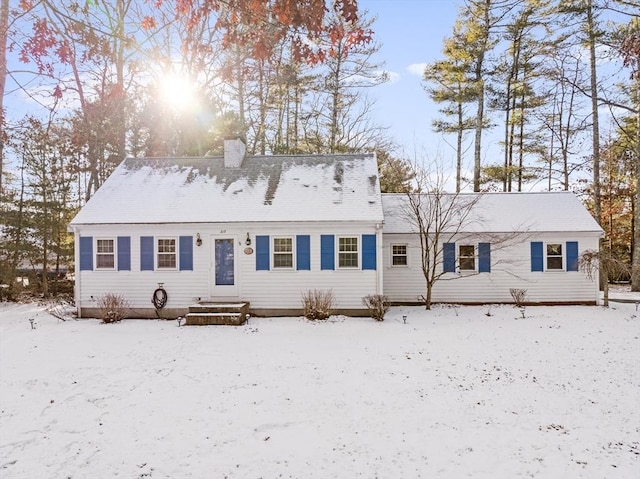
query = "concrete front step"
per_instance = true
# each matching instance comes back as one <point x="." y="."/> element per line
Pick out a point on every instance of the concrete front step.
<point x="210" y="313"/>
<point x="206" y="319"/>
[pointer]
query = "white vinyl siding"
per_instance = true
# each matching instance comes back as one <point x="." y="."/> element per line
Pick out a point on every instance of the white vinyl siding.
<point x="511" y="268"/>
<point x="262" y="289"/>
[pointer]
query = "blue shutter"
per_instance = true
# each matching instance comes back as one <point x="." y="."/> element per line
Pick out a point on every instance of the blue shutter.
<point x="186" y="253"/>
<point x="327" y="252"/>
<point x="86" y="253"/>
<point x="303" y="252"/>
<point x="449" y="257"/>
<point x="124" y="253"/>
<point x="262" y="253"/>
<point x="537" y="256"/>
<point x="146" y="253"/>
<point x="484" y="257"/>
<point x="369" y="252"/>
<point x="572" y="256"/>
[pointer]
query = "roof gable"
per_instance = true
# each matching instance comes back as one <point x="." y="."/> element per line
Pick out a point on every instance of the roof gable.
<point x="264" y="188"/>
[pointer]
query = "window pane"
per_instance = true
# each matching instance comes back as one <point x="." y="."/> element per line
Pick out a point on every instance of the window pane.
<point x="282" y="260"/>
<point x="467" y="257"/>
<point x="167" y="253"/>
<point x="283" y="245"/>
<point x="166" y="246"/>
<point x="554" y="256"/>
<point x="105" y="260"/>
<point x="166" y="260"/>
<point x="467" y="250"/>
<point x="554" y="250"/>
<point x="554" y="262"/>
<point x="399" y="261"/>
<point x="467" y="264"/>
<point x="347" y="244"/>
<point x="399" y="255"/>
<point x="104" y="246"/>
<point x="348" y="260"/>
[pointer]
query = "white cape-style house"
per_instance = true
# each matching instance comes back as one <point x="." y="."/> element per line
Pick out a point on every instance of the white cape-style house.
<point x="265" y="230"/>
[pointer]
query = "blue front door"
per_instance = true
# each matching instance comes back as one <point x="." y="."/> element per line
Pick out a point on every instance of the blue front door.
<point x="224" y="267"/>
<point x="224" y="262"/>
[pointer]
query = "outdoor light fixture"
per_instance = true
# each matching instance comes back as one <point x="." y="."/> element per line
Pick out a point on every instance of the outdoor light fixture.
<point x="198" y="240"/>
<point x="248" y="240"/>
<point x="404" y="318"/>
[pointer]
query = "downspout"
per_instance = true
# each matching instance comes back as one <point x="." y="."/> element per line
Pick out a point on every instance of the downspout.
<point x="76" y="269"/>
<point x="379" y="257"/>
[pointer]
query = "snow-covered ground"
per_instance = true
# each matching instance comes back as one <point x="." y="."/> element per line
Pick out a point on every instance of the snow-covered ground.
<point x="458" y="392"/>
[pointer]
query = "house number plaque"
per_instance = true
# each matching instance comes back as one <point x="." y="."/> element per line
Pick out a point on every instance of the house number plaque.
<point x="248" y="251"/>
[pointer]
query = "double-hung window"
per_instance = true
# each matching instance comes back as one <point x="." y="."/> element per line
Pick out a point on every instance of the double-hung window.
<point x="467" y="257"/>
<point x="348" y="252"/>
<point x="167" y="258"/>
<point x="283" y="252"/>
<point x="399" y="255"/>
<point x="554" y="256"/>
<point x="105" y="254"/>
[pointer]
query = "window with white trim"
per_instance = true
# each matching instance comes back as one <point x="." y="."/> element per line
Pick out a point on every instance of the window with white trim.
<point x="467" y="257"/>
<point x="399" y="255"/>
<point x="167" y="256"/>
<point x="283" y="252"/>
<point x="348" y="252"/>
<point x="554" y="256"/>
<point x="105" y="253"/>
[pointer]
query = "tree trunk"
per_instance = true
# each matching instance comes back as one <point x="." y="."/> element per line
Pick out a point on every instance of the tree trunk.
<point x="427" y="299"/>
<point x="459" y="148"/>
<point x="594" y="111"/>
<point x="477" y="151"/>
<point x="635" y="255"/>
<point x="4" y="25"/>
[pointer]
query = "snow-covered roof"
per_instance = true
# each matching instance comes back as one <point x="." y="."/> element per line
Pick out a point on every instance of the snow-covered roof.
<point x="263" y="188"/>
<point x="559" y="211"/>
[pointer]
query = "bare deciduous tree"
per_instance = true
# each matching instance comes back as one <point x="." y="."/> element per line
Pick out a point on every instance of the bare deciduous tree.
<point x="604" y="263"/>
<point x="440" y="218"/>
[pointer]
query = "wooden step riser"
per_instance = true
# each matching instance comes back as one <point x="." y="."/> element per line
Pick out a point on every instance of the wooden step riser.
<point x="195" y="319"/>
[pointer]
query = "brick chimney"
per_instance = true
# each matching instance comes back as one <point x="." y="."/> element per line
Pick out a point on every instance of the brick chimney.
<point x="234" y="150"/>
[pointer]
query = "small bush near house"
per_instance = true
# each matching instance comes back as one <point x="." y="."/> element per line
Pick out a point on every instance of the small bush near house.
<point x="519" y="296"/>
<point x="377" y="304"/>
<point x="113" y="307"/>
<point x="317" y="304"/>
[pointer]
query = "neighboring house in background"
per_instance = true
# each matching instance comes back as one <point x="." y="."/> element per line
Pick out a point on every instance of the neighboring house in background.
<point x="267" y="229"/>
<point x="528" y="241"/>
<point x="259" y="229"/>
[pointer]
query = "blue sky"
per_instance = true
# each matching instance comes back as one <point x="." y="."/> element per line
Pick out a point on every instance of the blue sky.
<point x="411" y="33"/>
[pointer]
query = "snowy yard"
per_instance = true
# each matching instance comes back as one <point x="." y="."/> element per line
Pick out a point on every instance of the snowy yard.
<point x="456" y="392"/>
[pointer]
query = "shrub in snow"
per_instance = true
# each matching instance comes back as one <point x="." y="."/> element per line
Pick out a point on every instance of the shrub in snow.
<point x="317" y="304"/>
<point x="377" y="304"/>
<point x="113" y="307"/>
<point x="519" y="296"/>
